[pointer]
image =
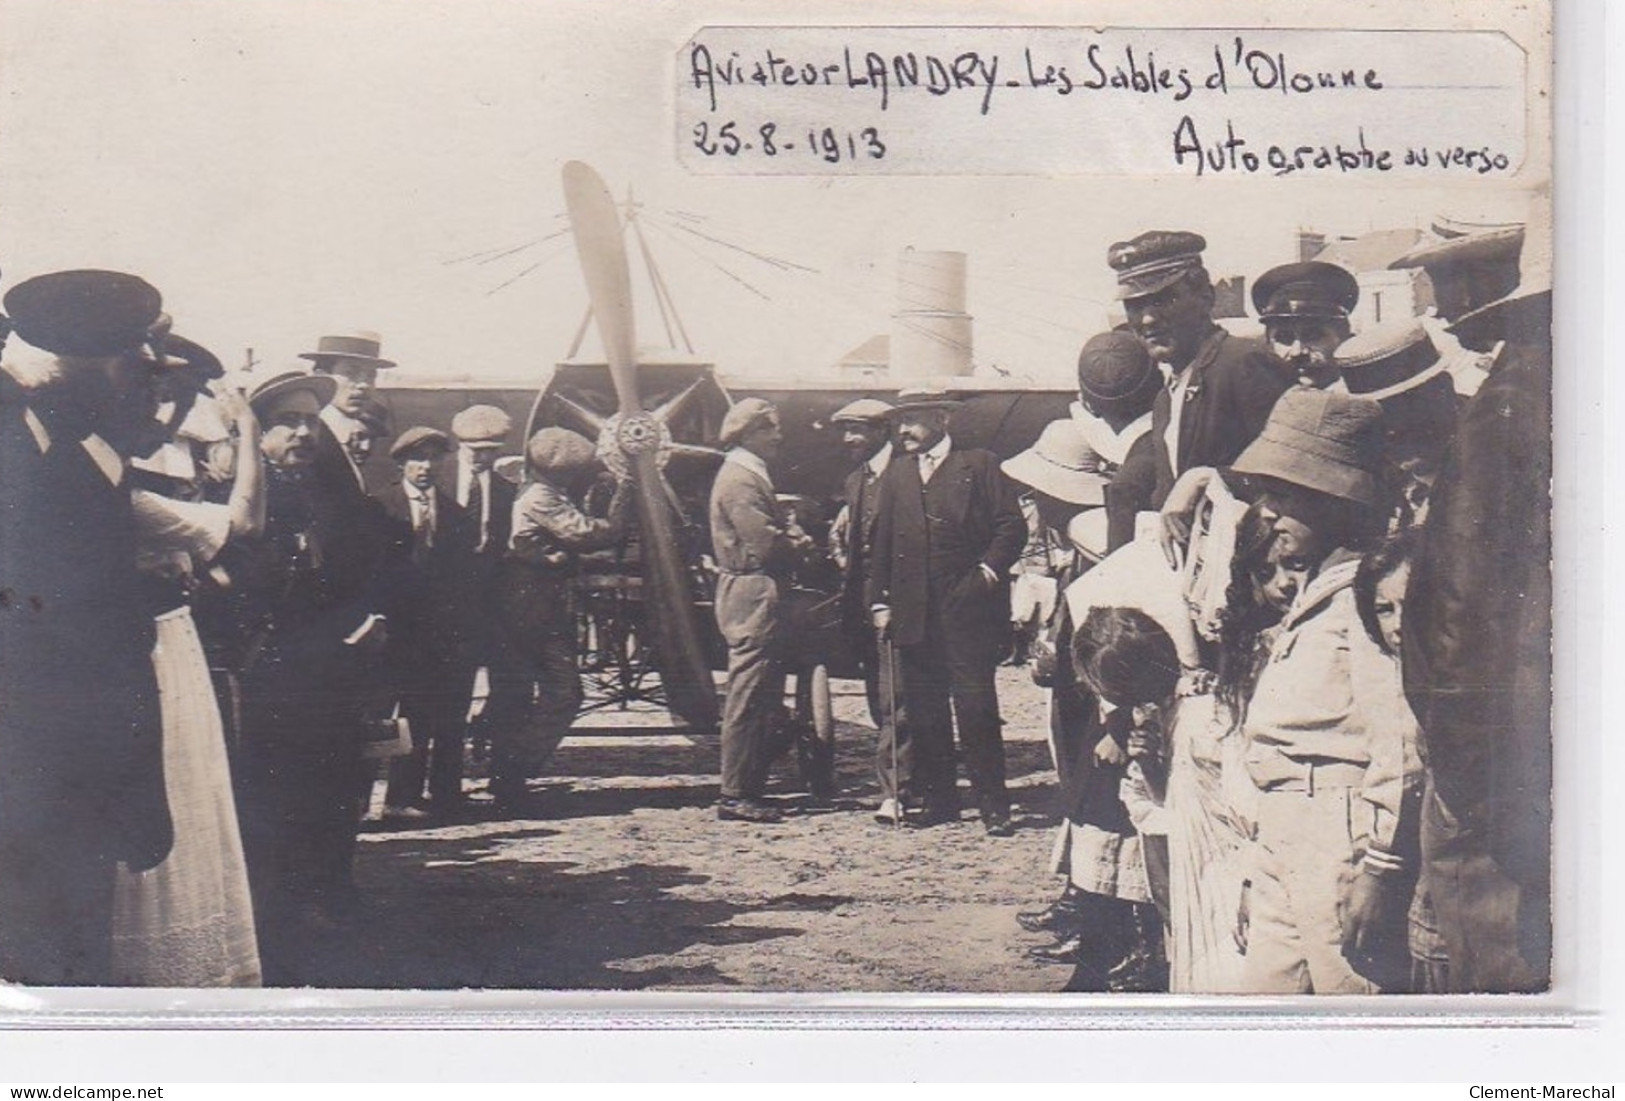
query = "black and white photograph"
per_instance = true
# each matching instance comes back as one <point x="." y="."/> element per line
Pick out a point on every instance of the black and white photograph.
<point x="725" y="498"/>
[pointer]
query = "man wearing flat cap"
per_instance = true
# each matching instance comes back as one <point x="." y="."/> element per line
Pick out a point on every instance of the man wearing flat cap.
<point x="430" y="680"/>
<point x="1305" y="309"/>
<point x="755" y="551"/>
<point x="866" y="436"/>
<point x="536" y="691"/>
<point x="947" y="531"/>
<point x="485" y="501"/>
<point x="1220" y="387"/>
<point x="82" y="783"/>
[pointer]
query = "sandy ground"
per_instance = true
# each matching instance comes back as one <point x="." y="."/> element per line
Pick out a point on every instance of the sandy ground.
<point x="621" y="877"/>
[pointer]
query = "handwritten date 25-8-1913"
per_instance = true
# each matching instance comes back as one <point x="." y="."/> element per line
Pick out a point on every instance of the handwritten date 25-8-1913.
<point x="770" y="140"/>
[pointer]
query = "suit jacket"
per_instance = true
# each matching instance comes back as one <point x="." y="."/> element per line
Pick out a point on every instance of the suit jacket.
<point x="930" y="542"/>
<point x="357" y="533"/>
<point x="1233" y="386"/>
<point x="860" y="494"/>
<point x="476" y="568"/>
<point x="427" y="601"/>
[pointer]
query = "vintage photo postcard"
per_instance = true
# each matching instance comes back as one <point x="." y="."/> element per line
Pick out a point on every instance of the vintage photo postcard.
<point x="750" y="498"/>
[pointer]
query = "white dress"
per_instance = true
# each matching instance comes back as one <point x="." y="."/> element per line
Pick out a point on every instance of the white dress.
<point x="189" y="922"/>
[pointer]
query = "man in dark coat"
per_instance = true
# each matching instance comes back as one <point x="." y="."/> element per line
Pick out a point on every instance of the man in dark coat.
<point x="310" y="664"/>
<point x="947" y="531"/>
<point x="866" y="435"/>
<point x="1477" y="648"/>
<point x="81" y="755"/>
<point x="426" y="662"/>
<point x="1221" y="388"/>
<point x="485" y="502"/>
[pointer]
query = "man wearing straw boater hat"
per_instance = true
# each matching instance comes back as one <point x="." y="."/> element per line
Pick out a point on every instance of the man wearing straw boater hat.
<point x="947" y="531"/>
<point x="1477" y="641"/>
<point x="1220" y="387"/>
<point x="866" y="435"/>
<point x="755" y="550"/>
<point x="1398" y="366"/>
<point x="352" y="360"/>
<point x="1305" y="309"/>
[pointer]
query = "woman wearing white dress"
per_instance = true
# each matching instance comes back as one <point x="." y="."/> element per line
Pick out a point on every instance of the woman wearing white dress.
<point x="189" y="921"/>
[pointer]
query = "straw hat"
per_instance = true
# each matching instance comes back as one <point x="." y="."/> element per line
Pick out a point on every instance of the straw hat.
<point x="358" y="344"/>
<point x="1388" y="360"/>
<point x="1061" y="464"/>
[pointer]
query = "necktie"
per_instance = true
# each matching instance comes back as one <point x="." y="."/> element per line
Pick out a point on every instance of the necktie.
<point x="476" y="507"/>
<point x="928" y="465"/>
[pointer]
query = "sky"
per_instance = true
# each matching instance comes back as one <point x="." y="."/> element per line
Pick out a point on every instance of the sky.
<point x="285" y="169"/>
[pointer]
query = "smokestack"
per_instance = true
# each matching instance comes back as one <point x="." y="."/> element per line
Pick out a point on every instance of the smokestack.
<point x="1310" y="245"/>
<point x="931" y="332"/>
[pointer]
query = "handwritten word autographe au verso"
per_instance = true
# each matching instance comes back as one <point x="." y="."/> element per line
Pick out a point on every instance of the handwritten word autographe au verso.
<point x="1233" y="71"/>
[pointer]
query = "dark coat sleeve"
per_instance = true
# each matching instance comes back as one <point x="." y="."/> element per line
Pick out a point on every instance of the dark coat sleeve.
<point x="1477" y="638"/>
<point x="1130" y="491"/>
<point x="1009" y="527"/>
<point x="877" y="585"/>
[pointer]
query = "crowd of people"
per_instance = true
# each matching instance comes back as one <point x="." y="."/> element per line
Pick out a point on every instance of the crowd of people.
<point x="1281" y="593"/>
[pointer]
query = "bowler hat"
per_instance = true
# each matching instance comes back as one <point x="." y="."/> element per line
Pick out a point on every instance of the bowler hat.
<point x="1061" y="464"/>
<point x="482" y="426"/>
<point x="84" y="313"/>
<point x="741" y="417"/>
<point x="911" y="398"/>
<point x="1388" y="360"/>
<point x="1320" y="440"/>
<point x="358" y="344"/>
<point x="268" y="393"/>
<point x="1154" y="260"/>
<point x="862" y="411"/>
<point x="559" y="450"/>
<point x="1113" y="366"/>
<point x="1312" y="289"/>
<point x="418" y="441"/>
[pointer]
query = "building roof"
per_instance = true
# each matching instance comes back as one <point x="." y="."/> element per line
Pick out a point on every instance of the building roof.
<point x="1372" y="251"/>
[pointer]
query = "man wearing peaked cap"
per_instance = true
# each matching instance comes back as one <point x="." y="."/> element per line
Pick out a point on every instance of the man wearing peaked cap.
<point x="82" y="786"/>
<point x="427" y="675"/>
<point x="947" y="532"/>
<point x="1305" y="308"/>
<point x="1220" y="387"/>
<point x="536" y="690"/>
<point x="866" y="437"/>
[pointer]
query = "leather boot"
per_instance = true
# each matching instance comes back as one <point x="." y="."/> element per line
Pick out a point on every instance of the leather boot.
<point x="1143" y="969"/>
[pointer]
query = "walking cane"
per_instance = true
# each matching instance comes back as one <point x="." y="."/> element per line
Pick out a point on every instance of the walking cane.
<point x="891" y="714"/>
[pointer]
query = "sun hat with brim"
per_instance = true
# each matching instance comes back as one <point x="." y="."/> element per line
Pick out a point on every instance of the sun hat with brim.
<point x="1388" y="360"/>
<point x="1320" y="440"/>
<point x="1154" y="261"/>
<point x="273" y="390"/>
<point x="85" y="313"/>
<point x="1060" y="465"/>
<point x="862" y="411"/>
<point x="360" y="344"/>
<point x="913" y="398"/>
<point x="419" y="442"/>
<point x="482" y="426"/>
<point x="559" y="450"/>
<point x="1532" y="293"/>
